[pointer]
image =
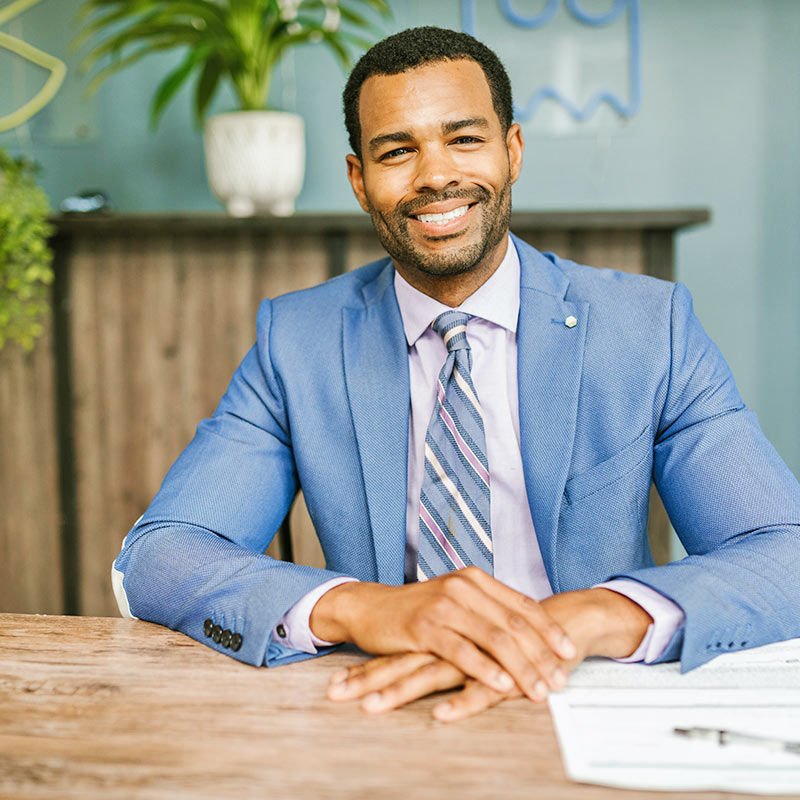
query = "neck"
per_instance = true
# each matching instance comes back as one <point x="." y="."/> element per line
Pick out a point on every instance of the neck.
<point x="453" y="290"/>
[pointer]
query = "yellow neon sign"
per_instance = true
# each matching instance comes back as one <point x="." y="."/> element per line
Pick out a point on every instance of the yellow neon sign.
<point x="57" y="68"/>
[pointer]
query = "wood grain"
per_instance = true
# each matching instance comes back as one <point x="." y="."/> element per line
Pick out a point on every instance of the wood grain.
<point x="30" y="552"/>
<point x="112" y="708"/>
<point x="159" y="324"/>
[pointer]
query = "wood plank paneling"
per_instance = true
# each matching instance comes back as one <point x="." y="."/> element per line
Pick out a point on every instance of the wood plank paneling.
<point x="363" y="248"/>
<point x="159" y="323"/>
<point x="30" y="548"/>
<point x="605" y="249"/>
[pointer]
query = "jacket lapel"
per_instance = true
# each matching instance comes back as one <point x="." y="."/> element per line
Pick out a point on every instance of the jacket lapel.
<point x="376" y="375"/>
<point x="550" y="360"/>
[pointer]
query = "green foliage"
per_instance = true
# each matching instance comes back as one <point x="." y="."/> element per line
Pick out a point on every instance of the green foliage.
<point x="25" y="257"/>
<point x="240" y="41"/>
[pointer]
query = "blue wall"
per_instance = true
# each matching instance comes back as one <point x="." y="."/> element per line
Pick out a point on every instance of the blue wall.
<point x="717" y="128"/>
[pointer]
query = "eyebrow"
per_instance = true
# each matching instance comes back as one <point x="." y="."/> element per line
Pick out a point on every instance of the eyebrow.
<point x="398" y="137"/>
<point x="472" y="122"/>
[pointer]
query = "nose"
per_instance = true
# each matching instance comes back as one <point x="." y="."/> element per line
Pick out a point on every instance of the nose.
<point x="436" y="170"/>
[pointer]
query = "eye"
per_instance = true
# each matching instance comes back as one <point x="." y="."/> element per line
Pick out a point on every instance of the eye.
<point x="467" y="140"/>
<point x="396" y="153"/>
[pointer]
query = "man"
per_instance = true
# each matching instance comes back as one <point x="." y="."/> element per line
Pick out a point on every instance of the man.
<point x="475" y="427"/>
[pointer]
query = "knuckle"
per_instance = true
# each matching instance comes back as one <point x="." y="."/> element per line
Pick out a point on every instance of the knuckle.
<point x="429" y="670"/>
<point x="478" y="699"/>
<point x="500" y="639"/>
<point x="391" y="693"/>
<point x="529" y="604"/>
<point x="462" y="652"/>
<point x="440" y="607"/>
<point x="453" y="582"/>
<point x="471" y="571"/>
<point x="544" y="658"/>
<point x="356" y="672"/>
<point x="517" y="622"/>
<point x="431" y="673"/>
<point x="530" y="677"/>
<point x="554" y="631"/>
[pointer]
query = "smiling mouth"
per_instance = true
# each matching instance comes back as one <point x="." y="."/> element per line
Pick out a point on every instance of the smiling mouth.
<point x="443" y="218"/>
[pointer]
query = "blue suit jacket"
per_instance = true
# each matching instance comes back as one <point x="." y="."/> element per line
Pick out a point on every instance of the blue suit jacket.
<point x="635" y="392"/>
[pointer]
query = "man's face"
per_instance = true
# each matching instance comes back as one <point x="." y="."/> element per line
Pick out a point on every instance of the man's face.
<point x="436" y="169"/>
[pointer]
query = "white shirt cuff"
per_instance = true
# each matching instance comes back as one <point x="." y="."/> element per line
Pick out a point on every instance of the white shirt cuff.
<point x="667" y="616"/>
<point x="293" y="629"/>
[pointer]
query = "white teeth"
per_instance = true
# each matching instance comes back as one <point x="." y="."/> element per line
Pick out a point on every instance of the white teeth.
<point x="440" y="219"/>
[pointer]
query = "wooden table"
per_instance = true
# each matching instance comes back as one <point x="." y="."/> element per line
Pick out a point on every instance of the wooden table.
<point x="114" y="708"/>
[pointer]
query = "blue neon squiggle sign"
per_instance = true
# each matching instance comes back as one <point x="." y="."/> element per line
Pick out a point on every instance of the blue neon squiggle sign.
<point x="579" y="114"/>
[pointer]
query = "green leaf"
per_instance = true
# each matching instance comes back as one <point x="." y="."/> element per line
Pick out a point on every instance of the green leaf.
<point x="97" y="6"/>
<point x="358" y="41"/>
<point x="246" y="37"/>
<point x="24" y="254"/>
<point x="381" y="6"/>
<point x="357" y="19"/>
<point x="96" y="25"/>
<point x="115" y="66"/>
<point x="334" y="42"/>
<point x="174" y="80"/>
<point x="178" y="34"/>
<point x="207" y="86"/>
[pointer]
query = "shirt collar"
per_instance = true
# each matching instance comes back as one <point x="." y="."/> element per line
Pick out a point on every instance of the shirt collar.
<point x="496" y="301"/>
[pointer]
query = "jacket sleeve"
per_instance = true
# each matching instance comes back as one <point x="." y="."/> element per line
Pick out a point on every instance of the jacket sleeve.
<point x="197" y="553"/>
<point x="733" y="502"/>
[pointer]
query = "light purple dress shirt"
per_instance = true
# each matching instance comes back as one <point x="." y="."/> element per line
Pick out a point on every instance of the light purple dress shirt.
<point x="492" y="334"/>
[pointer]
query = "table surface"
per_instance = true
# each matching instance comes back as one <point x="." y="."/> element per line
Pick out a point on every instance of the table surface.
<point x="116" y="708"/>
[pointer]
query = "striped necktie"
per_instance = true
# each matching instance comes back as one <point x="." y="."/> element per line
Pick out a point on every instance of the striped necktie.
<point x="454" y="522"/>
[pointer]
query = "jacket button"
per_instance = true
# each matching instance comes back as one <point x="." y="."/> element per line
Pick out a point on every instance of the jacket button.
<point x="216" y="633"/>
<point x="236" y="641"/>
<point x="208" y="625"/>
<point x="225" y="639"/>
<point x="281" y="631"/>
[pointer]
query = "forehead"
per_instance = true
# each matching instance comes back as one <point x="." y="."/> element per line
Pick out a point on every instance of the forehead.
<point x="426" y="95"/>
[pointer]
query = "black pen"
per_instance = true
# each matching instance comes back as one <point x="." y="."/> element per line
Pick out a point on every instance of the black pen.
<point x="723" y="738"/>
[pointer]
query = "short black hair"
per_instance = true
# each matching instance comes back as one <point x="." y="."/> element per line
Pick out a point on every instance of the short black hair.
<point x="416" y="47"/>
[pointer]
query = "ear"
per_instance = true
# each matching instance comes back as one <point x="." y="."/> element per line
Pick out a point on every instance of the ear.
<point x="355" y="174"/>
<point x="515" y="145"/>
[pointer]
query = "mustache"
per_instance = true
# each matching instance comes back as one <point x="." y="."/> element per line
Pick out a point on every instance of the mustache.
<point x="475" y="195"/>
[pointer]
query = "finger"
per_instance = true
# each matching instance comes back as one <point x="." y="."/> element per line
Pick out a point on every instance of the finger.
<point x="471" y="700"/>
<point x="380" y="663"/>
<point x="463" y="653"/>
<point x="531" y="665"/>
<point x="510" y="602"/>
<point x="510" y="630"/>
<point x="436" y="676"/>
<point x="375" y="674"/>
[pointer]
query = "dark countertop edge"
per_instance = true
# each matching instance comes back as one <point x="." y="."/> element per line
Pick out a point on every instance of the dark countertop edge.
<point x="182" y="222"/>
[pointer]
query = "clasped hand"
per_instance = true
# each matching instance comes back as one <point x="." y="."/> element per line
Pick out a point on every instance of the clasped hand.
<point x="466" y="629"/>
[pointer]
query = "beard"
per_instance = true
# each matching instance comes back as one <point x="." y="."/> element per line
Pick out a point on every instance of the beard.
<point x="394" y="236"/>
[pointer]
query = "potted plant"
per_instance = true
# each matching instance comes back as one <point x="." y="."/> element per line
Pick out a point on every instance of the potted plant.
<point x="254" y="157"/>
<point x="25" y="257"/>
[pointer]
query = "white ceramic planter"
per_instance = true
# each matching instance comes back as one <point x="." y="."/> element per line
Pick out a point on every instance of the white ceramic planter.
<point x="255" y="161"/>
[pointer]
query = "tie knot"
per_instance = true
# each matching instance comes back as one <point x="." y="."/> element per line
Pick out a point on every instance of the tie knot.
<point x="452" y="327"/>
